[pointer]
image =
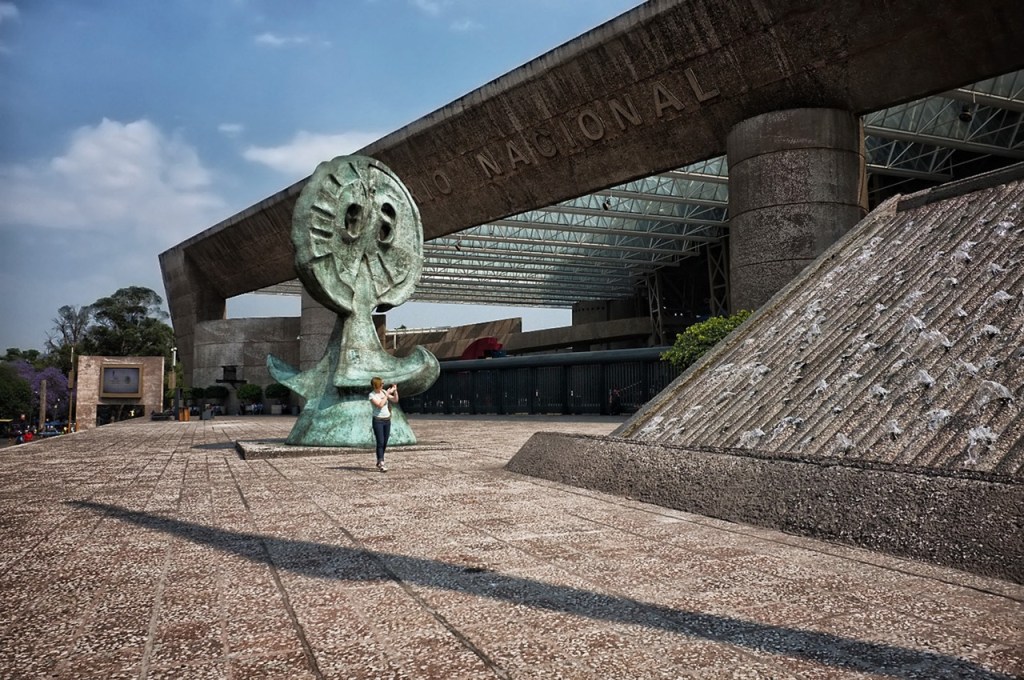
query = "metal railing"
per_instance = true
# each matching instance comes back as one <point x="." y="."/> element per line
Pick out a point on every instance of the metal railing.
<point x="606" y="382"/>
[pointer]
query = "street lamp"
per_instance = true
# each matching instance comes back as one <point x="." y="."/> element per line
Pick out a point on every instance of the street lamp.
<point x="71" y="393"/>
<point x="174" y="383"/>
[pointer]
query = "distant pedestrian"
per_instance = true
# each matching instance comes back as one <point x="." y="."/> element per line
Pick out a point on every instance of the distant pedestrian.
<point x="381" y="400"/>
<point x="615" y="401"/>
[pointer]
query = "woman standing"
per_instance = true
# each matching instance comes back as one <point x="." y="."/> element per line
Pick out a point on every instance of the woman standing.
<point x="381" y="400"/>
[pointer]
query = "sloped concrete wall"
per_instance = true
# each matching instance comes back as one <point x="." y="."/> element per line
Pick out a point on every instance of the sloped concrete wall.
<point x="904" y="343"/>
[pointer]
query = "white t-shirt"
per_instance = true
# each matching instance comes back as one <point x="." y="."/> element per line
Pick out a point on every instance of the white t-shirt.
<point x="383" y="411"/>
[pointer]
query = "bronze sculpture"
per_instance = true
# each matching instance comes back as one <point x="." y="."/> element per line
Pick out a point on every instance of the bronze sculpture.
<point x="358" y="247"/>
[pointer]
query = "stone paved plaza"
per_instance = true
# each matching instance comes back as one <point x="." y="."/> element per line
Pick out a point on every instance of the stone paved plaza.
<point x="152" y="550"/>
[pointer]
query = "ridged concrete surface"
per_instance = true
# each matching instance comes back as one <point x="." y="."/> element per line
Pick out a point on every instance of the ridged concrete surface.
<point x="903" y="344"/>
<point x="151" y="550"/>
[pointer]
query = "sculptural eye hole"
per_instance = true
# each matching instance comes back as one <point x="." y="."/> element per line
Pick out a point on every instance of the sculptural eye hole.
<point x="386" y="230"/>
<point x="352" y="219"/>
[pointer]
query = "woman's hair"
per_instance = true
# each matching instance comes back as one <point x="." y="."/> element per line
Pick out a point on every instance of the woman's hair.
<point x="376" y="382"/>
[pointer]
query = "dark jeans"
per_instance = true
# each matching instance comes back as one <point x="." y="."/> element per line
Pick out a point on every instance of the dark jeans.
<point x="381" y="432"/>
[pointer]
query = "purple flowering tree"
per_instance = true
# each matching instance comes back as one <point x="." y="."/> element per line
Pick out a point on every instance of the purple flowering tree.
<point x="56" y="388"/>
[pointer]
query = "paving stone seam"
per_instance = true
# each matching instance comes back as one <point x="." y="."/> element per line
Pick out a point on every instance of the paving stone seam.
<point x="4" y="568"/>
<point x="161" y="584"/>
<point x="611" y="591"/>
<point x="91" y="607"/>
<point x="1012" y="592"/>
<point x="406" y="587"/>
<point x="499" y="471"/>
<point x="307" y="649"/>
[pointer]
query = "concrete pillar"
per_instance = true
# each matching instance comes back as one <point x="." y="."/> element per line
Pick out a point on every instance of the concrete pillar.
<point x="796" y="184"/>
<point x="315" y="327"/>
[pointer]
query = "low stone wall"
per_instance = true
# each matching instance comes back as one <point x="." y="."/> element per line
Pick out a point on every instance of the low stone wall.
<point x="969" y="521"/>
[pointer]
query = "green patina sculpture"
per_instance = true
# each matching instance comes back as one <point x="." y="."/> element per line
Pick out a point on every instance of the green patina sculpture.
<point x="358" y="246"/>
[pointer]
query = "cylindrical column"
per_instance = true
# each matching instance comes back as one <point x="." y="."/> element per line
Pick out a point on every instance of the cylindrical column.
<point x="796" y="184"/>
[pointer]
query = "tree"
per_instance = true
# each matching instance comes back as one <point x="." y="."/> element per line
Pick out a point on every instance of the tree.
<point x="196" y="394"/>
<point x="216" y="392"/>
<point x="57" y="400"/>
<point x="692" y="343"/>
<point x="129" y="323"/>
<point x="31" y="356"/>
<point x="250" y="392"/>
<point x="277" y="392"/>
<point x="69" y="333"/>
<point x="15" y="392"/>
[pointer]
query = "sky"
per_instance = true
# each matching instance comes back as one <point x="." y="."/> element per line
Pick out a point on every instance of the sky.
<point x="128" y="126"/>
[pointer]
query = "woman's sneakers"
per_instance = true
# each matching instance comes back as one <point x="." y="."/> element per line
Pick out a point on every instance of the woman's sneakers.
<point x="382" y="467"/>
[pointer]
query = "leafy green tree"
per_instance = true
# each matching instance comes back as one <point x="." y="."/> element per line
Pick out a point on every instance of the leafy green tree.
<point x="15" y="392"/>
<point x="31" y="356"/>
<point x="216" y="392"/>
<point x="692" y="343"/>
<point x="129" y="323"/>
<point x="250" y="393"/>
<point x="277" y="392"/>
<point x="196" y="394"/>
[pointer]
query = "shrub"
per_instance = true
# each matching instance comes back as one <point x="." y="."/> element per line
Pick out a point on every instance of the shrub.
<point x="277" y="391"/>
<point x="692" y="343"/>
<point x="15" y="392"/>
<point x="216" y="392"/>
<point x="250" y="392"/>
<point x="196" y="393"/>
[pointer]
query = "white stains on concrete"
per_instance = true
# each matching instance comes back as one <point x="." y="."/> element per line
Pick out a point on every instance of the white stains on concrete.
<point x="878" y="392"/>
<point x="979" y="440"/>
<point x="890" y="350"/>
<point x="938" y="418"/>
<point x="750" y="438"/>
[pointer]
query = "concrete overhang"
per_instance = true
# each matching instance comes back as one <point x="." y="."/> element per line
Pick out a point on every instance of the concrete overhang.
<point x="652" y="90"/>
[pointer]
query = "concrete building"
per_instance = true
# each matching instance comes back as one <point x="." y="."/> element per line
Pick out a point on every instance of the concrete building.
<point x="685" y="158"/>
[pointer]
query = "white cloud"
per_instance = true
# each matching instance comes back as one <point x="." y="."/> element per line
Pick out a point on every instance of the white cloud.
<point x="274" y="40"/>
<point x="117" y="178"/>
<point x="231" y="129"/>
<point x="8" y="11"/>
<point x="431" y="7"/>
<point x="464" y="25"/>
<point x="299" y="157"/>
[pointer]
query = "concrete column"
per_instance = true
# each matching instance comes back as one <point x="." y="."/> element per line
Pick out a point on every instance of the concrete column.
<point x="796" y="184"/>
<point x="315" y="327"/>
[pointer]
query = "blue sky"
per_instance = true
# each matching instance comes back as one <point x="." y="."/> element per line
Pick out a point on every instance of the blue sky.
<point x="127" y="126"/>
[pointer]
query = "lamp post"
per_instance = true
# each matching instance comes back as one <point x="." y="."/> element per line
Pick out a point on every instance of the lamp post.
<point x="174" y="383"/>
<point x="42" y="405"/>
<point x="71" y="393"/>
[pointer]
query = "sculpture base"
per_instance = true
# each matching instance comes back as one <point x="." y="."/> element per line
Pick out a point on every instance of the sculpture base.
<point x="347" y="422"/>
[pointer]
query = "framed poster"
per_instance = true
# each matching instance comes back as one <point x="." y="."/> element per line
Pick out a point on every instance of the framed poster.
<point x="121" y="381"/>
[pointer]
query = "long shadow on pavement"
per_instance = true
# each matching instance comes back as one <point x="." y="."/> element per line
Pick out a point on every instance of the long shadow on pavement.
<point x="327" y="561"/>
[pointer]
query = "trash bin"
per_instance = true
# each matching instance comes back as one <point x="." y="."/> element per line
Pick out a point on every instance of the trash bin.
<point x="183" y="414"/>
<point x="207" y="414"/>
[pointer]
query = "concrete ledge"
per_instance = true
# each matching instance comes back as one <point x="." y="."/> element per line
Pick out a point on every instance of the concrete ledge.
<point x="277" y="448"/>
<point x="971" y="522"/>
